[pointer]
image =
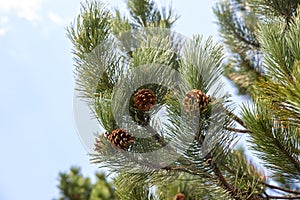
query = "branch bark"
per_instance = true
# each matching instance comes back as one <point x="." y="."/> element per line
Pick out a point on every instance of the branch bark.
<point x="236" y="118"/>
<point x="280" y="188"/>
<point x="283" y="197"/>
<point x="234" y="192"/>
<point x="237" y="130"/>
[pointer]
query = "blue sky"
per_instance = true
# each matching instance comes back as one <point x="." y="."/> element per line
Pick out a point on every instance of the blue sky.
<point x="38" y="132"/>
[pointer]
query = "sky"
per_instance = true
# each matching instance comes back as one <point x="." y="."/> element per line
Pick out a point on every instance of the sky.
<point x="39" y="135"/>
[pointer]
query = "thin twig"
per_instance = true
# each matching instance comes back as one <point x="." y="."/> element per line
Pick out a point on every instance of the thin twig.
<point x="237" y="130"/>
<point x="185" y="168"/>
<point x="236" y="118"/>
<point x="280" y="188"/>
<point x="155" y="135"/>
<point x="289" y="156"/>
<point x="243" y="39"/>
<point x="229" y="187"/>
<point x="284" y="197"/>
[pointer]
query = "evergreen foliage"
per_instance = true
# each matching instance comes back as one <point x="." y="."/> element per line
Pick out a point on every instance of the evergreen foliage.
<point x="74" y="186"/>
<point x="262" y="58"/>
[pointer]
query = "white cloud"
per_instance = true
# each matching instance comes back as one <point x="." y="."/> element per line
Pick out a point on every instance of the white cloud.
<point x="55" y="18"/>
<point x="3" y="25"/>
<point x="3" y="32"/>
<point x="4" y="20"/>
<point x="27" y="9"/>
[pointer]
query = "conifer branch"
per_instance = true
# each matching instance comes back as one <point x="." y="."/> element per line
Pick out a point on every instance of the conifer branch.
<point x="237" y="130"/>
<point x="280" y="188"/>
<point x="233" y="191"/>
<point x="236" y="118"/>
<point x="230" y="188"/>
<point x="277" y="146"/>
<point x="243" y="39"/>
<point x="155" y="135"/>
<point x="288" y="155"/>
<point x="283" y="197"/>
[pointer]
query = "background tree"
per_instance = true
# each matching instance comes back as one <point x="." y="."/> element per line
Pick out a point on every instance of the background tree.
<point x="74" y="186"/>
<point x="239" y="22"/>
<point x="262" y="58"/>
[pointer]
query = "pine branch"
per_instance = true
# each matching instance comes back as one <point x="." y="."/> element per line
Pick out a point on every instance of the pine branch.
<point x="284" y="9"/>
<point x="155" y="135"/>
<point x="201" y="65"/>
<point x="237" y="130"/>
<point x="243" y="39"/>
<point x="233" y="191"/>
<point x="232" y="25"/>
<point x="236" y="118"/>
<point x="146" y="13"/>
<point x="187" y="169"/>
<point x="288" y="155"/>
<point x="236" y="193"/>
<point x="237" y="27"/>
<point x="280" y="188"/>
<point x="268" y="140"/>
<point x="283" y="197"/>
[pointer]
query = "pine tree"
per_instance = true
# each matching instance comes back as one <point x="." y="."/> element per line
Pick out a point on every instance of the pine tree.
<point x="74" y="186"/>
<point x="170" y="131"/>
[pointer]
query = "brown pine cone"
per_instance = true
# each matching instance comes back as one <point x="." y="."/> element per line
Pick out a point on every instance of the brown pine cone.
<point x="196" y="100"/>
<point x="120" y="138"/>
<point x="144" y="99"/>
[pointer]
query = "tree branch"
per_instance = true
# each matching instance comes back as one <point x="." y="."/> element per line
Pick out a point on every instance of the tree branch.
<point x="243" y="39"/>
<point x="232" y="190"/>
<point x="289" y="156"/>
<point x="281" y="188"/>
<point x="237" y="130"/>
<point x="236" y="118"/>
<point x="284" y="197"/>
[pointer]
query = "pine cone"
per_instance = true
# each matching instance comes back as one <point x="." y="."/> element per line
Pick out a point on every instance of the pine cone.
<point x="179" y="196"/>
<point x="196" y="100"/>
<point x="120" y="138"/>
<point x="144" y="99"/>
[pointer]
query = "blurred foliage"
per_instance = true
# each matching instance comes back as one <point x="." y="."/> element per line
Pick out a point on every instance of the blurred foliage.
<point x="74" y="186"/>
